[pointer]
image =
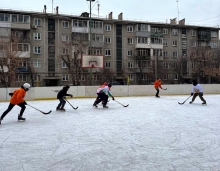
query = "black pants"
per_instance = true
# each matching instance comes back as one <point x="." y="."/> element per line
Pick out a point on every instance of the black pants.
<point x="200" y="96"/>
<point x="157" y="94"/>
<point x="102" y="97"/>
<point x="10" y="106"/>
<point x="62" y="103"/>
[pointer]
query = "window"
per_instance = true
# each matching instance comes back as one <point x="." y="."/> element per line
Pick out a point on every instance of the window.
<point x="22" y="63"/>
<point x="65" y="77"/>
<point x="165" y="42"/>
<point x="130" y="65"/>
<point x="36" y="78"/>
<point x="165" y="77"/>
<point x="5" y="17"/>
<point x="129" y="52"/>
<point x="96" y="24"/>
<point x="155" y="30"/>
<point x="129" y="28"/>
<point x="214" y="33"/>
<point x="175" y="54"/>
<point x="193" y="65"/>
<point x="165" y="54"/>
<point x="37" y="36"/>
<point x="21" y="77"/>
<point x="37" y="50"/>
<point x="65" y="24"/>
<point x="64" y="65"/>
<point x="142" y="27"/>
<point x="65" y="38"/>
<point x="165" y="31"/>
<point x="130" y="41"/>
<point x="107" y="52"/>
<point x="142" y="77"/>
<point x="24" y="47"/>
<point x="98" y="51"/>
<point x="213" y="45"/>
<point x="14" y="18"/>
<point x="65" y="51"/>
<point x="166" y="65"/>
<point x="107" y="65"/>
<point x="175" y="43"/>
<point x="79" y="23"/>
<point x="174" y="32"/>
<point x="131" y="77"/>
<point x="107" y="27"/>
<point x="175" y="77"/>
<point x="83" y="77"/>
<point x="193" y="43"/>
<point x="98" y="37"/>
<point x="107" y="40"/>
<point x="175" y="65"/>
<point x="156" y="40"/>
<point x="37" y="21"/>
<point x="193" y="32"/>
<point x="141" y="39"/>
<point x="36" y="64"/>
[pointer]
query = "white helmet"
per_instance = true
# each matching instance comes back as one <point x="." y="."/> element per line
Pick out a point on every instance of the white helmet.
<point x="26" y="86"/>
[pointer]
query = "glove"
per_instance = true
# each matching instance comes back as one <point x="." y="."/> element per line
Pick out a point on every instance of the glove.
<point x="113" y="98"/>
<point x="25" y="103"/>
<point x="11" y="94"/>
<point x="201" y="94"/>
<point x="191" y="94"/>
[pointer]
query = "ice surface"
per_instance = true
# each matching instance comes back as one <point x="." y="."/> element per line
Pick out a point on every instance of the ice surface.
<point x="151" y="134"/>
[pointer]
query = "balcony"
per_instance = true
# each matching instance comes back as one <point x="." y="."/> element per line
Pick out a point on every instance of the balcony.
<point x="156" y="34"/>
<point x="22" y="69"/>
<point x="143" y="70"/>
<point x="143" y="58"/>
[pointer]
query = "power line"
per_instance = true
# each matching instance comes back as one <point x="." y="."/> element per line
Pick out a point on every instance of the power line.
<point x="207" y="19"/>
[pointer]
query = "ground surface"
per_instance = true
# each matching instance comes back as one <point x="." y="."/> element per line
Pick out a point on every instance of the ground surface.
<point x="151" y="134"/>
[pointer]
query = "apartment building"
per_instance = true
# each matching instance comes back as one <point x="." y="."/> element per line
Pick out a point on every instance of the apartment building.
<point x="140" y="51"/>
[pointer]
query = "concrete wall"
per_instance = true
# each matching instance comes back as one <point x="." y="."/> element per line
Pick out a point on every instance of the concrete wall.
<point x="36" y="93"/>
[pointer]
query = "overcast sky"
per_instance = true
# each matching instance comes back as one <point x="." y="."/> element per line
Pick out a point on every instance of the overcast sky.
<point x="197" y="12"/>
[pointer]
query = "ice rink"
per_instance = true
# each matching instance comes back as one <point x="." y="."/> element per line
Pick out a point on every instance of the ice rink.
<point x="151" y="134"/>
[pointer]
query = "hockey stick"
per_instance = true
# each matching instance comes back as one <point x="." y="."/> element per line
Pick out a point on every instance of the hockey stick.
<point x="45" y="113"/>
<point x="185" y="100"/>
<point x="164" y="88"/>
<point x="122" y="104"/>
<point x="71" y="105"/>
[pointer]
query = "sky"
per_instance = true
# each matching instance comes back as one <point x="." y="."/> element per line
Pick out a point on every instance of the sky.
<point x="151" y="134"/>
<point x="195" y="12"/>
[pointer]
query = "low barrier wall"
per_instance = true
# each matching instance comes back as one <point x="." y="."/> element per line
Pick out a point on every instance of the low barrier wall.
<point x="39" y="93"/>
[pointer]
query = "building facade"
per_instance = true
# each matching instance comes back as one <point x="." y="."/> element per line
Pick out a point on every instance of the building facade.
<point x="133" y="50"/>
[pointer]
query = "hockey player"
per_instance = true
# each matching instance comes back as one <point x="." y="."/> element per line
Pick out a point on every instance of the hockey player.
<point x="61" y="96"/>
<point x="17" y="98"/>
<point x="103" y="93"/>
<point x="197" y="90"/>
<point x="157" y="85"/>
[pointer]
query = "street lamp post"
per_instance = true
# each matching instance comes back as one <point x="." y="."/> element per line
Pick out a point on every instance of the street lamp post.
<point x="155" y="61"/>
<point x="90" y="72"/>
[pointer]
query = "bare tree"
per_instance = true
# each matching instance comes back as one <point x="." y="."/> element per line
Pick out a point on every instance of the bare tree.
<point x="11" y="51"/>
<point x="206" y="63"/>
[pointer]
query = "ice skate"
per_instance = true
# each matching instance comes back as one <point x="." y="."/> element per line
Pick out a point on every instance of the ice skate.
<point x="57" y="109"/>
<point x="62" y="109"/>
<point x="20" y="118"/>
<point x="104" y="106"/>
<point x="95" y="105"/>
<point x="157" y="96"/>
<point x="204" y="103"/>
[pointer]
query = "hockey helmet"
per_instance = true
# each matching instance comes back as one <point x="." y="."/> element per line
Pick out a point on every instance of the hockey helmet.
<point x="26" y="86"/>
